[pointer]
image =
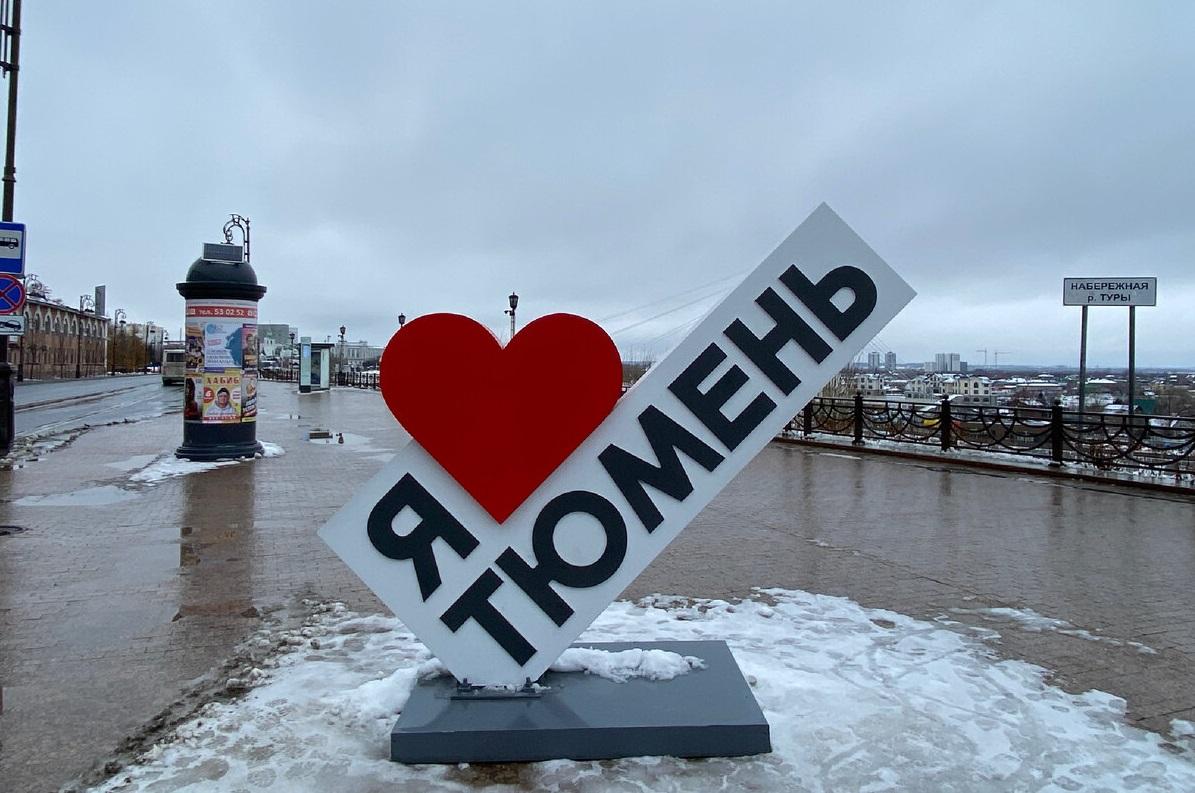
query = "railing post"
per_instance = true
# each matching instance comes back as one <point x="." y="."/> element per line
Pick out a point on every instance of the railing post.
<point x="858" y="441"/>
<point x="946" y="425"/>
<point x="1056" y="434"/>
<point x="807" y="420"/>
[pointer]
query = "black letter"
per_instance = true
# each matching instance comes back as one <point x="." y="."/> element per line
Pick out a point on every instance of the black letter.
<point x="789" y="327"/>
<point x="817" y="298"/>
<point x="631" y="473"/>
<point x="475" y="604"/>
<point x="551" y="567"/>
<point x="434" y="522"/>
<point x="707" y="405"/>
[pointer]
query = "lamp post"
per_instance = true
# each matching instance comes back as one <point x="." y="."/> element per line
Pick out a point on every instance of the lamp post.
<point x="145" y="361"/>
<point x="340" y="363"/>
<point x="117" y="321"/>
<point x="10" y="31"/>
<point x="514" y="303"/>
<point x="84" y="302"/>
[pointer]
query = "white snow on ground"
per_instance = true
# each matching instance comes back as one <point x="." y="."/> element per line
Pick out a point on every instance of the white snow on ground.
<point x="168" y="466"/>
<point x="1030" y="620"/>
<point x="271" y="450"/>
<point x="858" y="699"/>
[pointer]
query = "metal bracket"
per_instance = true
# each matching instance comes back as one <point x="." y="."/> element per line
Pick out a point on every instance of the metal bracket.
<point x="467" y="691"/>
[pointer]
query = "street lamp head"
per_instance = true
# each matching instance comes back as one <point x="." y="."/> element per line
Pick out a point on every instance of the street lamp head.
<point x="292" y="338"/>
<point x="514" y="301"/>
<point x="402" y="320"/>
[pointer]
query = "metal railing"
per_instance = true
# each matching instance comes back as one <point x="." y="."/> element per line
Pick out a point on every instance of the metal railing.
<point x="1109" y="442"/>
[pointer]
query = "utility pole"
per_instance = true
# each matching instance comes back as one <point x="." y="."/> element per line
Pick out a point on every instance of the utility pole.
<point x="10" y="58"/>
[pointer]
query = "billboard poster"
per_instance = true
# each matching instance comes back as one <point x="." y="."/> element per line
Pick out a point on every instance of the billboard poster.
<point x="192" y="390"/>
<point x="249" y="396"/>
<point x="222" y="397"/>
<point x="221" y="344"/>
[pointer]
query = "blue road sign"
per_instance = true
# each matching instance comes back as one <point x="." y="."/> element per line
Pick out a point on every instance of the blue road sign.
<point x="12" y="248"/>
<point x="12" y="295"/>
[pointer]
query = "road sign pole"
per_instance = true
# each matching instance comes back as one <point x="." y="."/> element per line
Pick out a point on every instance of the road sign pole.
<point x="1132" y="356"/>
<point x="7" y="387"/>
<point x="1083" y="362"/>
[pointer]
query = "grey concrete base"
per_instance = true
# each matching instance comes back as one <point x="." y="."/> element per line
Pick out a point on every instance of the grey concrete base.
<point x="708" y="712"/>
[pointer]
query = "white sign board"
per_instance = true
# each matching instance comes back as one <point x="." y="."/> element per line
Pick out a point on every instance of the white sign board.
<point x="1109" y="291"/>
<point x="12" y="325"/>
<point x="498" y="603"/>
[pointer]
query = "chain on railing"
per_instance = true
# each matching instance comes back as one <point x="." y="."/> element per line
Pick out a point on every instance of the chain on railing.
<point x="1164" y="444"/>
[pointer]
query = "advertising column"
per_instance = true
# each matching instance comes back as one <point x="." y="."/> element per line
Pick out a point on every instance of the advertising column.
<point x="220" y="392"/>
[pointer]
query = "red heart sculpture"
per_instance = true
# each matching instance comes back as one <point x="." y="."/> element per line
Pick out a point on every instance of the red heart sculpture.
<point x="500" y="419"/>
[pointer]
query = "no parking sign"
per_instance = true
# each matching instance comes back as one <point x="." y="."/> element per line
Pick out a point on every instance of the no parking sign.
<point x="531" y="495"/>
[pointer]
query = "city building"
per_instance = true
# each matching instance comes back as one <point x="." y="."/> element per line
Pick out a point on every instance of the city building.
<point x="60" y="341"/>
<point x="275" y="340"/>
<point x="869" y="385"/>
<point x="873" y="361"/>
<point x="889" y="360"/>
<point x="355" y="356"/>
<point x="947" y="362"/>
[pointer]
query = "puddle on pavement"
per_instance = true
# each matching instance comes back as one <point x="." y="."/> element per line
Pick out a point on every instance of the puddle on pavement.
<point x="99" y="496"/>
<point x="133" y="463"/>
<point x="358" y="443"/>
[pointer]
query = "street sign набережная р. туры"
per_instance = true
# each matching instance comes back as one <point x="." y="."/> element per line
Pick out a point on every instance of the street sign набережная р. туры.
<point x="1110" y="291"/>
<point x="497" y="602"/>
<point x="12" y="248"/>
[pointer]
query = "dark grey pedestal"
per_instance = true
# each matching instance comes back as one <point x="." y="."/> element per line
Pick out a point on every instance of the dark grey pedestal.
<point x="708" y="712"/>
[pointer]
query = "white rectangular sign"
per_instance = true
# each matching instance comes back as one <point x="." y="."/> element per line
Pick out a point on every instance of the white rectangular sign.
<point x="498" y="603"/>
<point x="1109" y="291"/>
<point x="12" y="325"/>
<point x="12" y="248"/>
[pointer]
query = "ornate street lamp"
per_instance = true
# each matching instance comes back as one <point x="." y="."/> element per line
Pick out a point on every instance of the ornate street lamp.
<point x="514" y="303"/>
<point x="118" y="319"/>
<point x="242" y="223"/>
<point x="85" y="301"/>
<point x="402" y="320"/>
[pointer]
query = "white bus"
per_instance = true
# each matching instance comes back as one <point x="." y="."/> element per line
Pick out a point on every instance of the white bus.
<point x="174" y="365"/>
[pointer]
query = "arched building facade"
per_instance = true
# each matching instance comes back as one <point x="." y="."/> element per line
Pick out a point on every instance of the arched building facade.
<point x="59" y="341"/>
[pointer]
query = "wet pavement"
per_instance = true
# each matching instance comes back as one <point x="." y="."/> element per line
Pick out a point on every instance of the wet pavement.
<point x="55" y="406"/>
<point x="116" y="595"/>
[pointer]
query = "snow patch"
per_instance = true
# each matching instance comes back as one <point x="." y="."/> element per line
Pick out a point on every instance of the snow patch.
<point x="857" y="699"/>
<point x="622" y="665"/>
<point x="1033" y="622"/>
<point x="271" y="450"/>
<point x="168" y="466"/>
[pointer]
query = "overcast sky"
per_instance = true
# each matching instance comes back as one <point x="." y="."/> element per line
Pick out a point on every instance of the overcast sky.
<point x="597" y="158"/>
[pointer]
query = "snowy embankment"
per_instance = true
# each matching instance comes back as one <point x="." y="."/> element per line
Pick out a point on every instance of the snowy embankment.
<point x="858" y="699"/>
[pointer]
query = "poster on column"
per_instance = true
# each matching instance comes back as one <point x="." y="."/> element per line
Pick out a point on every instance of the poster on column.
<point x="221" y="362"/>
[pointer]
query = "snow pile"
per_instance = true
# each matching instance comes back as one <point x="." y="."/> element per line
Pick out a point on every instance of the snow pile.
<point x="622" y="665"/>
<point x="858" y="699"/>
